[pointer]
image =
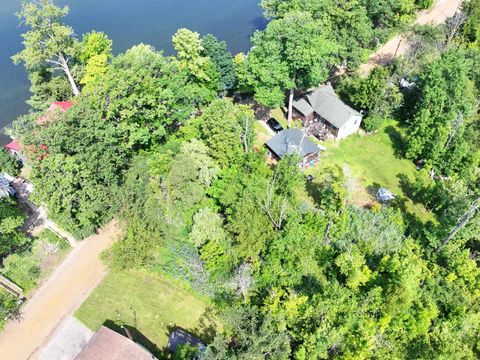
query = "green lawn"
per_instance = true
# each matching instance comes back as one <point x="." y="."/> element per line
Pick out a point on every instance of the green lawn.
<point x="261" y="134"/>
<point x="148" y="302"/>
<point x="373" y="163"/>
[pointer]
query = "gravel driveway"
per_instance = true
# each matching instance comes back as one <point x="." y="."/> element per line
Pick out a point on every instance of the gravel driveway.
<point x="57" y="299"/>
<point x="67" y="341"/>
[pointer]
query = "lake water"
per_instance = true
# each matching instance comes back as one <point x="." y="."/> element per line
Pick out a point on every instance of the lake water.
<point x="127" y="22"/>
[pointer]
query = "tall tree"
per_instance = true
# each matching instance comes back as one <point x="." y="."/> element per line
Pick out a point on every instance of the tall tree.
<point x="189" y="49"/>
<point x="227" y="130"/>
<point x="446" y="103"/>
<point x="347" y="21"/>
<point x="222" y="59"/>
<point x="77" y="164"/>
<point x="49" y="42"/>
<point x="292" y="52"/>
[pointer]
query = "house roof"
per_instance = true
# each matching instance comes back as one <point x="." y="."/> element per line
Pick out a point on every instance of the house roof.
<point x="64" y="105"/>
<point x="303" y="106"/>
<point x="56" y="105"/>
<point x="180" y="337"/>
<point x="326" y="103"/>
<point x="6" y="189"/>
<point x="292" y="141"/>
<point x="13" y="145"/>
<point x="107" y="344"/>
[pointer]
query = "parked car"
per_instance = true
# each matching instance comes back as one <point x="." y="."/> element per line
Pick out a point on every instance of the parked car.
<point x="274" y="125"/>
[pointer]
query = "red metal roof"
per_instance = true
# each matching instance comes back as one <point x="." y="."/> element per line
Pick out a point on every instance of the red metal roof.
<point x="56" y="105"/>
<point x="14" y="145"/>
<point x="64" y="105"/>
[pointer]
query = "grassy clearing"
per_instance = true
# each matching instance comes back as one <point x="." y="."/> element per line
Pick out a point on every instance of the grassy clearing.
<point x="373" y="162"/>
<point x="279" y="115"/>
<point x="261" y="134"/>
<point x="150" y="303"/>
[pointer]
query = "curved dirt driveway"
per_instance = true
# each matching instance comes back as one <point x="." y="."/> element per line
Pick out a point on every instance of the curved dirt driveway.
<point x="57" y="298"/>
<point x="437" y="14"/>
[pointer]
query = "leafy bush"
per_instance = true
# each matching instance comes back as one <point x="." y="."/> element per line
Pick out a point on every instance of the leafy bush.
<point x="373" y="123"/>
<point x="10" y="220"/>
<point x="8" y="164"/>
<point x="134" y="250"/>
<point x="376" y="95"/>
<point x="50" y="237"/>
<point x="424" y="4"/>
<point x="23" y="270"/>
<point x="8" y="305"/>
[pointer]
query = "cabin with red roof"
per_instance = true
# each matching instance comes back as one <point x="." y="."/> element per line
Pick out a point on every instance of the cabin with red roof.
<point x="16" y="149"/>
<point x="56" y="106"/>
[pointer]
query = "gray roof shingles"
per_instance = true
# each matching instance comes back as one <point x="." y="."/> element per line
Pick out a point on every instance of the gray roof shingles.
<point x="292" y="141"/>
<point x="325" y="103"/>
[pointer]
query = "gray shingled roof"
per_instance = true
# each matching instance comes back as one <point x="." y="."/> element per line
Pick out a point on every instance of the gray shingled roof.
<point x="325" y="103"/>
<point x="292" y="141"/>
<point x="303" y="107"/>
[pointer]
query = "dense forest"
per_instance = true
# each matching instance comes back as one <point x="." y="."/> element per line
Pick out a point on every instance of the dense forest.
<point x="294" y="269"/>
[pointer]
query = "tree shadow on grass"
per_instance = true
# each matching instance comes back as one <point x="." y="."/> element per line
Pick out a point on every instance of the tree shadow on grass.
<point x="373" y="189"/>
<point x="137" y="336"/>
<point x="397" y="141"/>
<point x="205" y="329"/>
<point x="406" y="186"/>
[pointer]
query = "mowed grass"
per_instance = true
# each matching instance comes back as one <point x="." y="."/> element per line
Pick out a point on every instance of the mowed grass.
<point x="261" y="135"/>
<point x="150" y="303"/>
<point x="373" y="162"/>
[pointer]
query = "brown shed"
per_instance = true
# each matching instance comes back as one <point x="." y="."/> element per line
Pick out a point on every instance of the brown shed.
<point x="107" y="344"/>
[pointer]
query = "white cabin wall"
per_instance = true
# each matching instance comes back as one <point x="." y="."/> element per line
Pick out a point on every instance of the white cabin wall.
<point x="350" y="127"/>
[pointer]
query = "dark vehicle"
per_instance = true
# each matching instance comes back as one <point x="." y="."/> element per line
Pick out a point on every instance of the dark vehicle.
<point x="274" y="125"/>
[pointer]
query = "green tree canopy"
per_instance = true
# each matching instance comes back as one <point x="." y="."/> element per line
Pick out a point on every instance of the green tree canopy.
<point x="49" y="44"/>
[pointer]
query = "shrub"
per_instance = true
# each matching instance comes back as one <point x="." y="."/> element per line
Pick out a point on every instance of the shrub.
<point x="8" y="164"/>
<point x="50" y="237"/>
<point x="23" y="270"/>
<point x="8" y="305"/>
<point x="373" y="123"/>
<point x="424" y="4"/>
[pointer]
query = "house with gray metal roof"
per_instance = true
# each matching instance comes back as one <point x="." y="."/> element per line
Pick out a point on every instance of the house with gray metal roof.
<point x="324" y="114"/>
<point x="294" y="141"/>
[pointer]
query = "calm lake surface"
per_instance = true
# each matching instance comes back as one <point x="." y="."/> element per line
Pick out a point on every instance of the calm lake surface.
<point x="127" y="22"/>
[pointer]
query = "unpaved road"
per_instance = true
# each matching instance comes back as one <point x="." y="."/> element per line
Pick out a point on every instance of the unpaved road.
<point x="57" y="298"/>
<point x="437" y="14"/>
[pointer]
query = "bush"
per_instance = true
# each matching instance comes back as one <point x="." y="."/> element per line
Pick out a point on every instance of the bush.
<point x="23" y="270"/>
<point x="136" y="249"/>
<point x="8" y="305"/>
<point x="8" y="164"/>
<point x="424" y="4"/>
<point x="373" y="123"/>
<point x="50" y="237"/>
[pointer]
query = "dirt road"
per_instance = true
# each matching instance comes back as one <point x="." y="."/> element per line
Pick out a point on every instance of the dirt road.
<point x="437" y="14"/>
<point x="57" y="298"/>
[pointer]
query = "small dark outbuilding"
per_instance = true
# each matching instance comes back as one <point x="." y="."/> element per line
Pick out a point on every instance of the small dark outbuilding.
<point x="294" y="141"/>
<point x="180" y="337"/>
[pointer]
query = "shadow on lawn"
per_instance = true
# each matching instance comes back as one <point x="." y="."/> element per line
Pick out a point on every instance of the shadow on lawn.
<point x="397" y="141"/>
<point x="205" y="329"/>
<point x="137" y="336"/>
<point x="373" y="189"/>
